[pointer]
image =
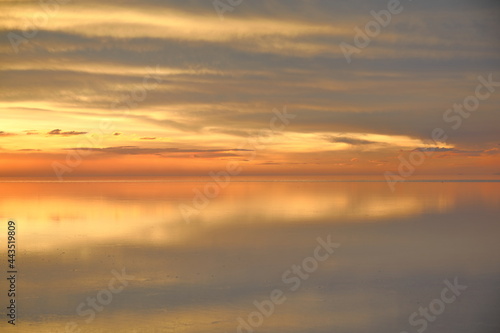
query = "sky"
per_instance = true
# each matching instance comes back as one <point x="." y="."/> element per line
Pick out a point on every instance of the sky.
<point x="185" y="87"/>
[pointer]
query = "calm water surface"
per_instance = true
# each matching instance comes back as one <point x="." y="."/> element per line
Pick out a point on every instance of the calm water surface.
<point x="396" y="250"/>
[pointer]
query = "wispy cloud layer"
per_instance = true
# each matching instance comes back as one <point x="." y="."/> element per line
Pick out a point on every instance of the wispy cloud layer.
<point x="221" y="79"/>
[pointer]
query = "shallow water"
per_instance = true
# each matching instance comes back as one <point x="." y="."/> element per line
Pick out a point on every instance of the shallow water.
<point x="203" y="271"/>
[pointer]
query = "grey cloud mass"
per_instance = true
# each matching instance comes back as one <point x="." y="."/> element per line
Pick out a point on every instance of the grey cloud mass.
<point x="225" y="77"/>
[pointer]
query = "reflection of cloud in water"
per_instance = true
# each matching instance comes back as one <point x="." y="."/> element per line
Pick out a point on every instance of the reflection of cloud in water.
<point x="134" y="212"/>
<point x="201" y="277"/>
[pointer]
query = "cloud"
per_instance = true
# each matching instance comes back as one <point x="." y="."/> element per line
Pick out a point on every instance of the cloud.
<point x="456" y="151"/>
<point x="436" y="149"/>
<point x="243" y="133"/>
<point x="135" y="150"/>
<point x="350" y="141"/>
<point x="68" y="133"/>
<point x="277" y="163"/>
<point x="270" y="163"/>
<point x="214" y="155"/>
<point x="148" y="138"/>
<point x="2" y="133"/>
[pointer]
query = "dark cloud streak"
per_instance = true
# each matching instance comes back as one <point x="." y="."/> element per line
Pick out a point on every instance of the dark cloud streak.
<point x="135" y="150"/>
<point x="67" y="133"/>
